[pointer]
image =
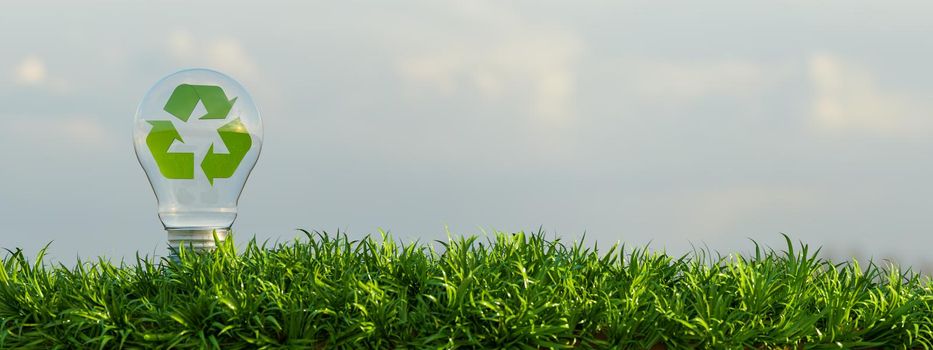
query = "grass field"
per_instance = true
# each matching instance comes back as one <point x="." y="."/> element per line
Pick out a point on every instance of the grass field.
<point x="505" y="291"/>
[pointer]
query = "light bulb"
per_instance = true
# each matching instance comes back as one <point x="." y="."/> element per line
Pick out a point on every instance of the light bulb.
<point x="197" y="135"/>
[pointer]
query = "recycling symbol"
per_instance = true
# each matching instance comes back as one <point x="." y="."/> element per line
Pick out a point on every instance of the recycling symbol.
<point x="181" y="104"/>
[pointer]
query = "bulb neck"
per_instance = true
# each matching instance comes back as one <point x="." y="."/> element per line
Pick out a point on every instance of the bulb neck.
<point x="198" y="240"/>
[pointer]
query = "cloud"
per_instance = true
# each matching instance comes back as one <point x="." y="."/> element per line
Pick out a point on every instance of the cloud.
<point x="229" y="54"/>
<point x="512" y="59"/>
<point x="58" y="131"/>
<point x="181" y="44"/>
<point x="847" y="98"/>
<point x="226" y="54"/>
<point x="31" y="71"/>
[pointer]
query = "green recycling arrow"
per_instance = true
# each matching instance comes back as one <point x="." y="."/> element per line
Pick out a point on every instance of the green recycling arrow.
<point x="181" y="104"/>
<point x="185" y="98"/>
<point x="238" y="142"/>
<point x="171" y="165"/>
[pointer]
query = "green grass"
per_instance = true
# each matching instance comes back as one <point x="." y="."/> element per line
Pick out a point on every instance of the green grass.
<point x="506" y="291"/>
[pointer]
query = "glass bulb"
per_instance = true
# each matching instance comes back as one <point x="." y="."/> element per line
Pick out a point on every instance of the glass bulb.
<point x="197" y="135"/>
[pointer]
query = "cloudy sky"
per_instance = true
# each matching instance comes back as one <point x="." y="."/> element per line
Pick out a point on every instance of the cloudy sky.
<point x="676" y="124"/>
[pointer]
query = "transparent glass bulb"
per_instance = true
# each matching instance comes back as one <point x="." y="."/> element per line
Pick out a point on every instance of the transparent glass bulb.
<point x="197" y="135"/>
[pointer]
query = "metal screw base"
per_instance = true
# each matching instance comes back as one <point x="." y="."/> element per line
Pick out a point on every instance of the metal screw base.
<point x="196" y="240"/>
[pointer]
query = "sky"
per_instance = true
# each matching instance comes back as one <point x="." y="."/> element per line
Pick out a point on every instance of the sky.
<point x="670" y="124"/>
